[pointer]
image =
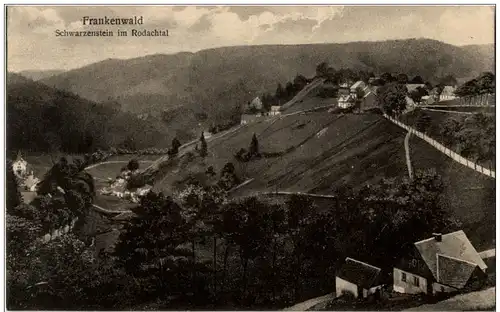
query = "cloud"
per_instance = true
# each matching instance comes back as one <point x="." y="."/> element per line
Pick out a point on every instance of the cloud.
<point x="33" y="45"/>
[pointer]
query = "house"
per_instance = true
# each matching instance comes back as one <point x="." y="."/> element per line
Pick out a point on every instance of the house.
<point x="256" y="104"/>
<point x="275" y="110"/>
<point x="346" y="101"/>
<point x="30" y="182"/>
<point x="442" y="263"/>
<point x="248" y="118"/>
<point x="358" y="84"/>
<point x="357" y="278"/>
<point x="448" y="93"/>
<point x="428" y="100"/>
<point x="20" y="166"/>
<point x="369" y="101"/>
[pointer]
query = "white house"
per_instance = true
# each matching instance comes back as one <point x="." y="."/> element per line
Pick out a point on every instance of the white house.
<point x="275" y="110"/>
<point x="346" y="101"/>
<point x="358" y="278"/>
<point x="448" y="93"/>
<point x="20" y="166"/>
<point x="442" y="263"/>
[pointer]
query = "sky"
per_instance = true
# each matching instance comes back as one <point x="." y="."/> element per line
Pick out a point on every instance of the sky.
<point x="32" y="43"/>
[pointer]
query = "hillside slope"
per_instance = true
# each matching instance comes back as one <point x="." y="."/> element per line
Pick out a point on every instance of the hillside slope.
<point x="42" y="119"/>
<point x="321" y="152"/>
<point x="40" y="74"/>
<point x="218" y="81"/>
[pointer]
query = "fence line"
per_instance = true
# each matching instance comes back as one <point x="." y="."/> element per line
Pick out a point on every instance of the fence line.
<point x="456" y="157"/>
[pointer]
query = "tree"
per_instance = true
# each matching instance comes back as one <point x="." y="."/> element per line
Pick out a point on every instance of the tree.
<point x="423" y="122"/>
<point x="417" y="80"/>
<point x="151" y="247"/>
<point x="402" y="78"/>
<point x="392" y="98"/>
<point x="254" y="147"/>
<point x="175" y="146"/>
<point x="133" y="165"/>
<point x="203" y="149"/>
<point x="280" y="92"/>
<point x="322" y="69"/>
<point x="387" y="77"/>
<point x="417" y="94"/>
<point x="13" y="195"/>
<point x="448" y="80"/>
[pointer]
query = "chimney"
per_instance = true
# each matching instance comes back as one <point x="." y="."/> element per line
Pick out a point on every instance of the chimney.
<point x="437" y="236"/>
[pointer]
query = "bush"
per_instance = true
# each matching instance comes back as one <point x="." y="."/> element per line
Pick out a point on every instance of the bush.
<point x="133" y="165"/>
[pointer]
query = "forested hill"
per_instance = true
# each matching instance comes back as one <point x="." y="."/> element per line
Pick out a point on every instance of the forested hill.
<point x="215" y="81"/>
<point x="41" y="118"/>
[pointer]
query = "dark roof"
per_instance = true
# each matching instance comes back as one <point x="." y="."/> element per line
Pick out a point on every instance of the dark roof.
<point x="359" y="273"/>
<point x="454" y="272"/>
<point x="452" y="245"/>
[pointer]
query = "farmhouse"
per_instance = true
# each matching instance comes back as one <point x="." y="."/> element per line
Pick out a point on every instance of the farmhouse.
<point x="448" y="93"/>
<point x="357" y="278"/>
<point x="256" y="104"/>
<point x="369" y="99"/>
<point x="346" y="101"/>
<point x="20" y="166"/>
<point x="248" y="118"/>
<point x="358" y="84"/>
<point x="442" y="263"/>
<point x="275" y="110"/>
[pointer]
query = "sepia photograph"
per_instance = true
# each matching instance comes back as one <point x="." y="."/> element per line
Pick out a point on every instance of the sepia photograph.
<point x="250" y="157"/>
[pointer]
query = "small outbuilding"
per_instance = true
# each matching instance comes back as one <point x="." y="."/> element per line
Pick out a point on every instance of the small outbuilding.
<point x="358" y="278"/>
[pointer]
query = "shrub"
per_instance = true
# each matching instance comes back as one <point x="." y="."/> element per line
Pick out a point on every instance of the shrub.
<point x="133" y="165"/>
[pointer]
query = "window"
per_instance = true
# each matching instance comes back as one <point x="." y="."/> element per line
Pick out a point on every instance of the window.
<point x="416" y="281"/>
<point x="413" y="263"/>
<point x="403" y="277"/>
<point x="442" y="288"/>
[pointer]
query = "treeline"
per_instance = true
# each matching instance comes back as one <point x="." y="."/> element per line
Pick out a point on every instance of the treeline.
<point x="202" y="251"/>
<point x="484" y="84"/>
<point x="284" y="94"/>
<point x="472" y="136"/>
<point x="42" y="119"/>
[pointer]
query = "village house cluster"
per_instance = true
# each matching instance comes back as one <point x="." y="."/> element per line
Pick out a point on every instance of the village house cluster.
<point x="443" y="263"/>
<point x="359" y="94"/>
<point x="118" y="187"/>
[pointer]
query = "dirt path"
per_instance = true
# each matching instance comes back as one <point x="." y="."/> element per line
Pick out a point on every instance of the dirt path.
<point x="116" y="162"/>
<point x="304" y="306"/>
<point x="477" y="300"/>
<point x="407" y="153"/>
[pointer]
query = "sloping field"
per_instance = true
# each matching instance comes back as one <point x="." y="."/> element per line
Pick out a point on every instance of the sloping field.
<point x="314" y="152"/>
<point x="310" y="102"/>
<point x="469" y="195"/>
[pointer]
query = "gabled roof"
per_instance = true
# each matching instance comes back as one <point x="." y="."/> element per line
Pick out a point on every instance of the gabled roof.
<point x="454" y="272"/>
<point x="345" y="98"/>
<point x="358" y="83"/>
<point x="359" y="273"/>
<point x="413" y="86"/>
<point x="448" y="91"/>
<point x="455" y="245"/>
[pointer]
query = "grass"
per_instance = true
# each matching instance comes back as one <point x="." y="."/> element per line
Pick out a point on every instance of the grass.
<point x="469" y="195"/>
<point x="437" y="119"/>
